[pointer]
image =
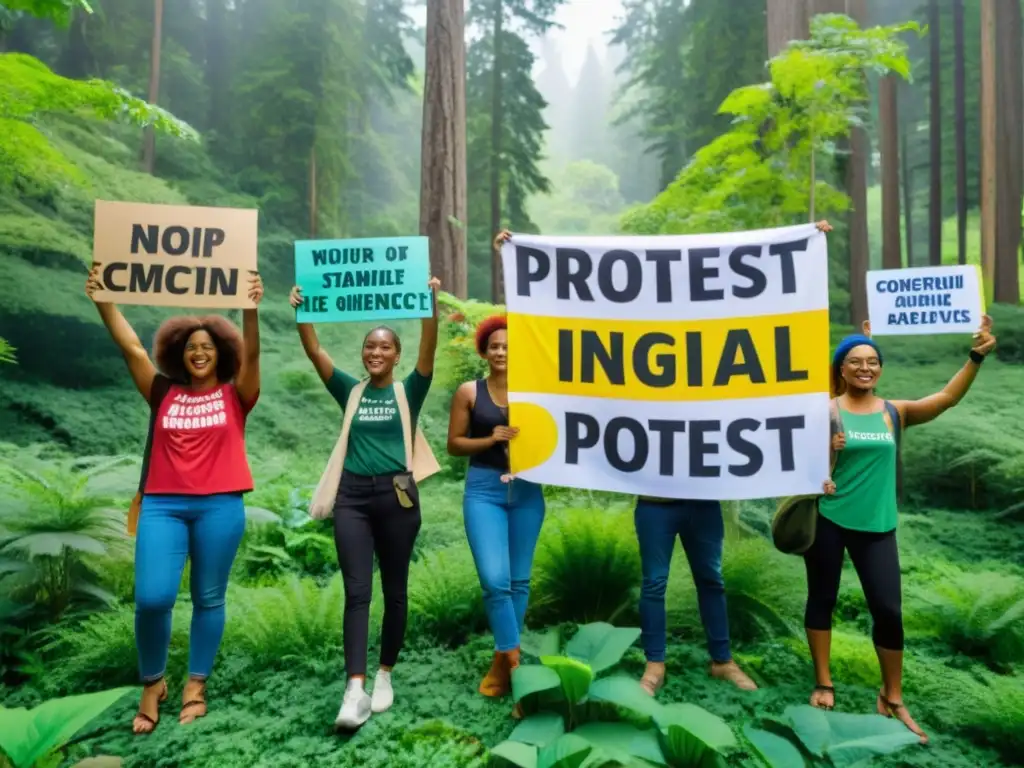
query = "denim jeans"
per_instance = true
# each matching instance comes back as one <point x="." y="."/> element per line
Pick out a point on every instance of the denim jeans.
<point x="699" y="526"/>
<point x="206" y="529"/>
<point x="503" y="523"/>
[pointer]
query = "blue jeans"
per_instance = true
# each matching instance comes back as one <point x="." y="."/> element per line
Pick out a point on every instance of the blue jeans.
<point x="503" y="524"/>
<point x="699" y="526"/>
<point x="207" y="529"/>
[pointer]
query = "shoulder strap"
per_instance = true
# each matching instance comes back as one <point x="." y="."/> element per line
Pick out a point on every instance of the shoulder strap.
<point x="157" y="392"/>
<point x="897" y="434"/>
<point x="326" y="492"/>
<point x="403" y="413"/>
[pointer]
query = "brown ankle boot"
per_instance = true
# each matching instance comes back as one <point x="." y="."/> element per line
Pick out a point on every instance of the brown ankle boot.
<point x="498" y="680"/>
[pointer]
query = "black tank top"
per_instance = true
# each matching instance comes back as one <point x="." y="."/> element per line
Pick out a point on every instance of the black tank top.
<point x="484" y="416"/>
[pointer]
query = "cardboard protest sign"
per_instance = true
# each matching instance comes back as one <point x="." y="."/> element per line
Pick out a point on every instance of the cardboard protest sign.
<point x="367" y="279"/>
<point x="174" y="255"/>
<point x="682" y="367"/>
<point x="925" y="300"/>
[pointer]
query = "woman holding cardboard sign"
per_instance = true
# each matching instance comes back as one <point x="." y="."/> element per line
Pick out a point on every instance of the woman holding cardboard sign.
<point x="858" y="514"/>
<point x="369" y="487"/>
<point x="503" y="515"/>
<point x="205" y="380"/>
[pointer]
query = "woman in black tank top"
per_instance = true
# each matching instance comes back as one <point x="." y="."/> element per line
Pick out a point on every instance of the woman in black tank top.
<point x="503" y="515"/>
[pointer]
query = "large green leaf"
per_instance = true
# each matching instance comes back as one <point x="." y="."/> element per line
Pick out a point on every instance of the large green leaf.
<point x="708" y="727"/>
<point x="27" y="735"/>
<point x="516" y="753"/>
<point x="541" y="643"/>
<point x="533" y="678"/>
<point x="567" y="751"/>
<point x="625" y="692"/>
<point x="52" y="544"/>
<point x="540" y="729"/>
<point x="601" y="645"/>
<point x="847" y="739"/>
<point x="622" y="741"/>
<point x="775" y="750"/>
<point x="575" y="676"/>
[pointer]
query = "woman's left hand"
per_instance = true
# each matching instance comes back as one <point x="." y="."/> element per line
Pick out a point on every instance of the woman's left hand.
<point x="823" y="226"/>
<point x="984" y="341"/>
<point x="434" y="284"/>
<point x="255" y="287"/>
<point x="828" y="487"/>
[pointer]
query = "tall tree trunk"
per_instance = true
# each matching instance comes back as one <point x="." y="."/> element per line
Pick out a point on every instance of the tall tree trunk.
<point x="443" y="161"/>
<point x="889" y="142"/>
<point x="857" y="189"/>
<point x="149" y="139"/>
<point x="76" y="60"/>
<point x="787" y="20"/>
<point x="934" y="141"/>
<point x="313" y="213"/>
<point x="960" y="121"/>
<point x="988" y="144"/>
<point x="217" y="72"/>
<point x="497" y="121"/>
<point x="907" y="187"/>
<point x="1009" y="152"/>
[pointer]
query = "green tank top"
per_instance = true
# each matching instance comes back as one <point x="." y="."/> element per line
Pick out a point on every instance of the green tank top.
<point x="865" y="476"/>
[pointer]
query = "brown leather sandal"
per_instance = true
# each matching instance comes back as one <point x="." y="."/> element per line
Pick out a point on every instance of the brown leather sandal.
<point x="198" y="701"/>
<point x="892" y="709"/>
<point x="140" y="715"/>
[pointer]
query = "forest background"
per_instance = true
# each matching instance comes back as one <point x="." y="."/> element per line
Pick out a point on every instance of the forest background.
<point x="313" y="111"/>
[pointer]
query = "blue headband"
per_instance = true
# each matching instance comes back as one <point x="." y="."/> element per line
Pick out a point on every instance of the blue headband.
<point x="854" y="340"/>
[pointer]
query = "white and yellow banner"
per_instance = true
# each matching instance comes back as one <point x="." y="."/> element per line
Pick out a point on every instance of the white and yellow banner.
<point x="691" y="366"/>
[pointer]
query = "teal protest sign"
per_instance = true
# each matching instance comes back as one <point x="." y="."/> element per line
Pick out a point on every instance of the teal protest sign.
<point x="368" y="279"/>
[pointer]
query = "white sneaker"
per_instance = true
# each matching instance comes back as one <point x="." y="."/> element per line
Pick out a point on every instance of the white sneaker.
<point x="383" y="693"/>
<point x="355" y="707"/>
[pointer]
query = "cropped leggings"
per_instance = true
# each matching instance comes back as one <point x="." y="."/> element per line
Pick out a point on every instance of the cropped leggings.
<point x="368" y="520"/>
<point x="877" y="562"/>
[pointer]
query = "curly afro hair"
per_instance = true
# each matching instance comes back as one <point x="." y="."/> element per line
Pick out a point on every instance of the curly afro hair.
<point x="485" y="329"/>
<point x="173" y="335"/>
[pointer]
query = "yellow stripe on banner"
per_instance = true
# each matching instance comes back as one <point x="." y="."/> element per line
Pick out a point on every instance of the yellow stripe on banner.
<point x="732" y="358"/>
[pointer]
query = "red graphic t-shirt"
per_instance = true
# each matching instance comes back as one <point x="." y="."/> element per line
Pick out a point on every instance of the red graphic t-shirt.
<point x="199" y="443"/>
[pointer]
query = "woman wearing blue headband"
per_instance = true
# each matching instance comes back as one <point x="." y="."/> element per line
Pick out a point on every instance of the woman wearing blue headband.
<point x="858" y="513"/>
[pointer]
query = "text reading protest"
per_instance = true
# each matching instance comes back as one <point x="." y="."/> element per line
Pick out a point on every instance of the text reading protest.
<point x="370" y="279"/>
<point x="683" y="367"/>
<point x="903" y="302"/>
<point x="169" y="255"/>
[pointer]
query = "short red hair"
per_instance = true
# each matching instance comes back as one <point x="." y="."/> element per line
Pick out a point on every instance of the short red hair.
<point x="486" y="328"/>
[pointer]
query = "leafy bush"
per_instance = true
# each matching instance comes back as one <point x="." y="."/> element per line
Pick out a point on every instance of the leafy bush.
<point x="587" y="567"/>
<point x="445" y="599"/>
<point x="979" y="614"/>
<point x="458" y="359"/>
<point x="30" y="735"/>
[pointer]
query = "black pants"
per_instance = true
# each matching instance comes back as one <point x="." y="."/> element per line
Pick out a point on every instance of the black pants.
<point x="368" y="519"/>
<point x="877" y="561"/>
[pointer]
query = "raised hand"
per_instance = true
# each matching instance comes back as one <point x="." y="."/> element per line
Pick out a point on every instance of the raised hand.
<point x="823" y="226"/>
<point x="865" y="328"/>
<point x="92" y="282"/>
<point x="295" y="297"/>
<point x="434" y="284"/>
<point x="984" y="341"/>
<point x="255" y="287"/>
<point x="501" y="238"/>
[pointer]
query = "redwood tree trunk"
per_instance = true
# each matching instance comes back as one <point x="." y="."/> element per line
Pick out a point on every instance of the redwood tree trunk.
<point x="934" y="141"/>
<point x="497" y="120"/>
<point x="443" y="162"/>
<point x="988" y="145"/>
<point x="1009" y="152"/>
<point x="787" y="20"/>
<point x="149" y="138"/>
<point x="857" y="189"/>
<point x="960" y="120"/>
<point x="889" y="140"/>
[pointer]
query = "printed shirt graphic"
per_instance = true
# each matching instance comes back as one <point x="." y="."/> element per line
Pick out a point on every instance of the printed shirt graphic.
<point x="865" y="476"/>
<point x="376" y="445"/>
<point x="199" y="443"/>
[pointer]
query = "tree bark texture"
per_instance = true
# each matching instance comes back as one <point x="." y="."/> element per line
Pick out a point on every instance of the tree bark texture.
<point x="960" y="121"/>
<point x="787" y="20"/>
<point x="149" y="136"/>
<point x="497" y="120"/>
<point x="934" y="140"/>
<point x="443" y="163"/>
<point x="988" y="144"/>
<point x="1009" y="152"/>
<point x="889" y="142"/>
<point x="907" y="185"/>
<point x="857" y="189"/>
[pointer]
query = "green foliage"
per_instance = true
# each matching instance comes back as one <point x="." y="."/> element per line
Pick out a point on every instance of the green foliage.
<point x="761" y="173"/>
<point x="458" y="358"/>
<point x="29" y="735"/>
<point x="445" y="602"/>
<point x="56" y="522"/>
<point x="585" y="200"/>
<point x="6" y="352"/>
<point x="58" y="11"/>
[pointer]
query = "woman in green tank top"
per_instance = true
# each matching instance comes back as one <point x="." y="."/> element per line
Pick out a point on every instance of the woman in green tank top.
<point x="858" y="514"/>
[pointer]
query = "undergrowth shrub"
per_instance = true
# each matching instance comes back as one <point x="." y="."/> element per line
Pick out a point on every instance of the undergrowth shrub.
<point x="445" y="599"/>
<point x="980" y="614"/>
<point x="587" y="568"/>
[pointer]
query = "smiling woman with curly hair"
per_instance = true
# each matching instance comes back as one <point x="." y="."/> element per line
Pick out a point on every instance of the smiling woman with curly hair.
<point x="205" y="382"/>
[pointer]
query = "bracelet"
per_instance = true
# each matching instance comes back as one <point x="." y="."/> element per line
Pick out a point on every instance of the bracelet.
<point x="976" y="357"/>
